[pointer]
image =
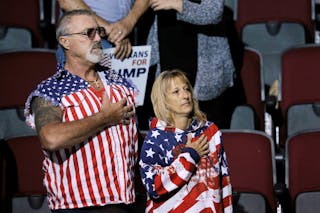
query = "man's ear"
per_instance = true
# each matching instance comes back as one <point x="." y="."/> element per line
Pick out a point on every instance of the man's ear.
<point x="64" y="42"/>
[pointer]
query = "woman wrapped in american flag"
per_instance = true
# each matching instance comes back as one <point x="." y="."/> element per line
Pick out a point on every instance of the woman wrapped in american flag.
<point x="183" y="165"/>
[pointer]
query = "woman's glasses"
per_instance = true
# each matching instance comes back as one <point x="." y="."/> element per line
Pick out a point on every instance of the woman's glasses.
<point x="90" y="32"/>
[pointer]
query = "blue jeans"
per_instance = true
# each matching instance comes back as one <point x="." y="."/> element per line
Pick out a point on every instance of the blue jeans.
<point x="61" y="58"/>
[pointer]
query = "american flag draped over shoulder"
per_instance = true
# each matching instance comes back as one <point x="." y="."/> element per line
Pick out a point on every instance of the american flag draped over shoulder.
<point x="176" y="179"/>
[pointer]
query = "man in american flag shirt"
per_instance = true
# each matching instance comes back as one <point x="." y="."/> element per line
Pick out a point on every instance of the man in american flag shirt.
<point x="84" y="116"/>
<point x="183" y="164"/>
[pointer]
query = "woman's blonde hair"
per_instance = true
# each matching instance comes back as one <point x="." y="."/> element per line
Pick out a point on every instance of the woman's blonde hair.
<point x="159" y="101"/>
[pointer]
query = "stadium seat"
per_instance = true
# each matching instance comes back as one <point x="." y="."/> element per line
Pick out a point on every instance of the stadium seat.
<point x="271" y="27"/>
<point x="251" y="159"/>
<point x="22" y="176"/>
<point x="230" y="4"/>
<point x="251" y="80"/>
<point x="307" y="202"/>
<point x="21" y="72"/>
<point x="285" y="11"/>
<point x="299" y="94"/>
<point x="21" y="21"/>
<point x="303" y="171"/>
<point x="272" y="44"/>
<point x="302" y="117"/>
<point x="243" y="117"/>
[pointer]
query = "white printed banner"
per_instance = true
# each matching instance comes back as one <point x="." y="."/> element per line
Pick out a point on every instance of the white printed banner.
<point x="135" y="68"/>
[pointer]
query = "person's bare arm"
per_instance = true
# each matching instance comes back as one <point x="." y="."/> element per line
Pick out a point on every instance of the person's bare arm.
<point x="55" y="134"/>
<point x="126" y="25"/>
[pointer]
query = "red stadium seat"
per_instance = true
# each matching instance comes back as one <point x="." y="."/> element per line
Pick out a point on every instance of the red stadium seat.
<point x="251" y="159"/>
<point x="20" y="152"/>
<point x="251" y="78"/>
<point x="271" y="27"/>
<point x="21" y="72"/>
<point x="300" y="86"/>
<point x="292" y="11"/>
<point x="27" y="14"/>
<point x="22" y="176"/>
<point x="303" y="171"/>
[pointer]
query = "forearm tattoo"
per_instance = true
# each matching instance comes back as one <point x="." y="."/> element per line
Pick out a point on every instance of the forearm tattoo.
<point x="45" y="112"/>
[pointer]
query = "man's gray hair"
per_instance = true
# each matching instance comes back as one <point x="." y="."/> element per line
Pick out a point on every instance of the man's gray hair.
<point x="64" y="21"/>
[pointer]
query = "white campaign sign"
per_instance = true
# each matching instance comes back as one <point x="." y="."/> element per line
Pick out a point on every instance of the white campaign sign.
<point x="135" y="68"/>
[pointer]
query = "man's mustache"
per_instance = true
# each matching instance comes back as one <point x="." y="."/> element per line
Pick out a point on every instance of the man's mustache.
<point x="97" y="45"/>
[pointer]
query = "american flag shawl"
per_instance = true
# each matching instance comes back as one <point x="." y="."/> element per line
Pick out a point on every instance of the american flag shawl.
<point x="97" y="171"/>
<point x="176" y="179"/>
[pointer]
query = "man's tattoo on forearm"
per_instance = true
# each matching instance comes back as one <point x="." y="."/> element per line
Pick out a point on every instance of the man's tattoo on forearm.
<point x="45" y="113"/>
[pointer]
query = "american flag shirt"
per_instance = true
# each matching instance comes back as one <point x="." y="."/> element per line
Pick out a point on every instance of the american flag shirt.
<point x="176" y="179"/>
<point x="97" y="171"/>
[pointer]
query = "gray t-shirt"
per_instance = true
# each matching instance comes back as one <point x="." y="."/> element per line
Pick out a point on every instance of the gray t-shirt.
<point x="111" y="10"/>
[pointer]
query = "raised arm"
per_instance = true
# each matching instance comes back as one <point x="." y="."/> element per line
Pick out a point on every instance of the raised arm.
<point x="55" y="134"/>
<point x="126" y="25"/>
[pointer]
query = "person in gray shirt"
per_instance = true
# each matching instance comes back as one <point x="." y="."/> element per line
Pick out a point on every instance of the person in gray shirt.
<point x="191" y="35"/>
